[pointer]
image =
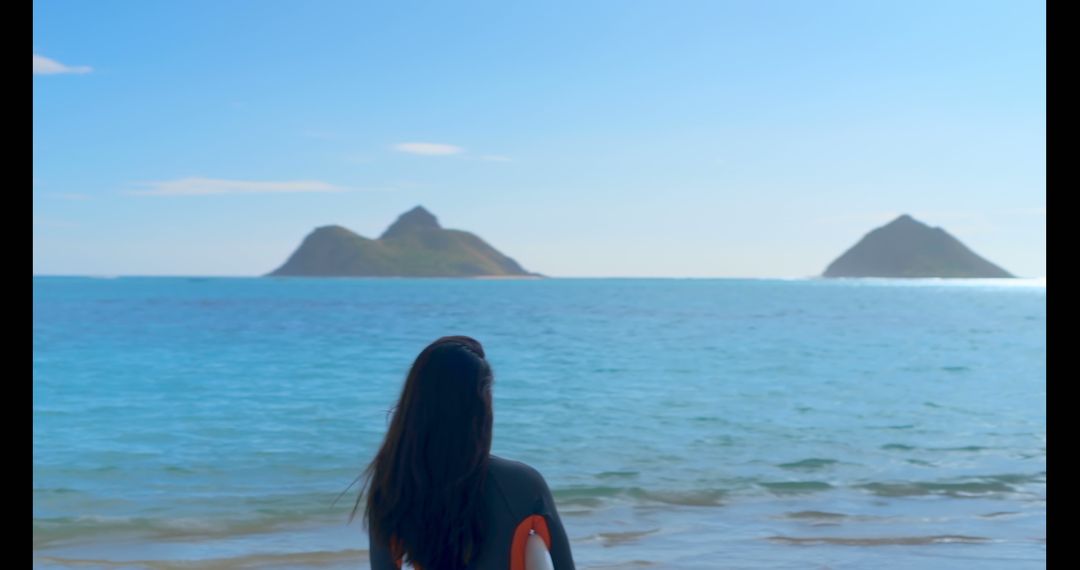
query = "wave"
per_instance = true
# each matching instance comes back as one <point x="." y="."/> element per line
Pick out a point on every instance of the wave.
<point x="881" y="541"/>
<point x="274" y="514"/>
<point x="990" y="485"/>
<point x="250" y="561"/>
<point x="49" y="531"/>
<point x="815" y="515"/>
<point x="810" y="464"/>
<point x="618" y="538"/>
<point x="597" y="495"/>
<point x="793" y="487"/>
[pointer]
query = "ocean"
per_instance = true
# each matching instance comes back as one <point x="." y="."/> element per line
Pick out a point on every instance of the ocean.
<point x="681" y="423"/>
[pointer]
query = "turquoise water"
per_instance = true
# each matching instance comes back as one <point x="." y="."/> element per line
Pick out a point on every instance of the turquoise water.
<point x="680" y="423"/>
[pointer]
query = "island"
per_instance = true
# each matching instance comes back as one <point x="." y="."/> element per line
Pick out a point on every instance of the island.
<point x="413" y="246"/>
<point x="908" y="248"/>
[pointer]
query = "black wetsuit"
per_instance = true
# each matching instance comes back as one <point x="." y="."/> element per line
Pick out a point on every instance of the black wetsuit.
<point x="512" y="492"/>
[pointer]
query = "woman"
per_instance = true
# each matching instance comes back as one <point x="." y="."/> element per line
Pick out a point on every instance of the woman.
<point x="436" y="497"/>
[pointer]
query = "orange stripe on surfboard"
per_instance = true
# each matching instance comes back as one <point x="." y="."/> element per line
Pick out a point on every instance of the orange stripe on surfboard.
<point x="531" y="523"/>
<point x="521" y="536"/>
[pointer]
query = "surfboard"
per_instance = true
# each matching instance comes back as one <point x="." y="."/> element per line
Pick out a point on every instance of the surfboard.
<point x="530" y="549"/>
<point x="531" y="546"/>
<point x="537" y="556"/>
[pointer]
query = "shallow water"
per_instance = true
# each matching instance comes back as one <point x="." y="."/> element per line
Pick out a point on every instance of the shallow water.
<point x="680" y="423"/>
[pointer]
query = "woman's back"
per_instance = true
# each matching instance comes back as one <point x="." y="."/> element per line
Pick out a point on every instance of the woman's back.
<point x="435" y="496"/>
<point x="513" y="491"/>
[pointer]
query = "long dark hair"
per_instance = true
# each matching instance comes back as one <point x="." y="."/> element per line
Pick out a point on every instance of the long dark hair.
<point x="425" y="486"/>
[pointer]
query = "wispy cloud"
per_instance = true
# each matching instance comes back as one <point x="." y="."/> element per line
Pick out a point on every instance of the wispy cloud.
<point x="428" y="149"/>
<point x="46" y="66"/>
<point x="207" y="186"/>
<point x="440" y="149"/>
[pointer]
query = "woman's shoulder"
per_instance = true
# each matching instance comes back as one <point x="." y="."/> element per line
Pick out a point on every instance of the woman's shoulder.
<point x="516" y="473"/>
<point x="504" y="465"/>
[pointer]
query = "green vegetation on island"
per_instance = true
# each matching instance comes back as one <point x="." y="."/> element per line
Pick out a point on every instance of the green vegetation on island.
<point x="413" y="246"/>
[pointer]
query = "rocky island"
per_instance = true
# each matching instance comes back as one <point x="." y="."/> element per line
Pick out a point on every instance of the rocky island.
<point x="413" y="246"/>
<point x="909" y="248"/>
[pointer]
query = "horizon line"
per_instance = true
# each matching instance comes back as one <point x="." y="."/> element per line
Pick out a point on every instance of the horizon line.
<point x="525" y="277"/>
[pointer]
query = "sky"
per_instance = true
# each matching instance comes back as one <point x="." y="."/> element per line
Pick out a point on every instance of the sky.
<point x="583" y="139"/>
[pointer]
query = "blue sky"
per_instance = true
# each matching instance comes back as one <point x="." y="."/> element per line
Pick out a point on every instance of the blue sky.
<point x="753" y="138"/>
